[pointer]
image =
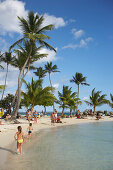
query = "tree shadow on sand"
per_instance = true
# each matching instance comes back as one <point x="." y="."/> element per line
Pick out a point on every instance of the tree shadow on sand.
<point x="8" y="150"/>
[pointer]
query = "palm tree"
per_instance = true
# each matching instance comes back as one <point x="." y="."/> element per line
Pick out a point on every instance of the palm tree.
<point x="64" y="97"/>
<point x="35" y="94"/>
<point x="6" y="58"/>
<point x="96" y="99"/>
<point x="50" y="69"/>
<point x="33" y="32"/>
<point x="79" y="79"/>
<point x="40" y="73"/>
<point x="21" y="56"/>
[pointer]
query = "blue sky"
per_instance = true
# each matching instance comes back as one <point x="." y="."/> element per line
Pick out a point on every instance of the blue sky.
<point x="83" y="37"/>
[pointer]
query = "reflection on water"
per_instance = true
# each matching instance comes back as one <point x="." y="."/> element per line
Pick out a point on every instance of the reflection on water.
<point x="77" y="147"/>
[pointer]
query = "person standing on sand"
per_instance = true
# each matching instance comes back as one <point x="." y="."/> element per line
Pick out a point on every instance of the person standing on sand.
<point x="29" y="115"/>
<point x="19" y="136"/>
<point x="52" y="118"/>
<point x="35" y="116"/>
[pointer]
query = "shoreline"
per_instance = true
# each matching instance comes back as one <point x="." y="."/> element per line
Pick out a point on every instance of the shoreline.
<point x="8" y="130"/>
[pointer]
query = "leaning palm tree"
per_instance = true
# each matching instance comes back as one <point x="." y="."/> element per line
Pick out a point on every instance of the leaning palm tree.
<point x="79" y="80"/>
<point x="21" y="56"/>
<point x="40" y="73"/>
<point x="33" y="32"/>
<point x="96" y="99"/>
<point x="6" y="58"/>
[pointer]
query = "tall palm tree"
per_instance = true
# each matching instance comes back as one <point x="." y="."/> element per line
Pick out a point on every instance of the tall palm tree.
<point x="6" y="58"/>
<point x="96" y="99"/>
<point x="40" y="73"/>
<point x="33" y="32"/>
<point x="64" y="97"/>
<point x="79" y="80"/>
<point x="49" y="68"/>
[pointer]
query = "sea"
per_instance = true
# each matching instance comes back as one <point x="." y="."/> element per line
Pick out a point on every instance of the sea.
<point x="87" y="146"/>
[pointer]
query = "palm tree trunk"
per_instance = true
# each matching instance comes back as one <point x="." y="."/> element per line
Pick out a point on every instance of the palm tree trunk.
<point x="50" y="80"/>
<point x="51" y="86"/>
<point x="5" y="83"/>
<point x="94" y="110"/>
<point x="63" y="111"/>
<point x="45" y="110"/>
<point x="70" y="112"/>
<point x="20" y="84"/>
<point x="78" y="90"/>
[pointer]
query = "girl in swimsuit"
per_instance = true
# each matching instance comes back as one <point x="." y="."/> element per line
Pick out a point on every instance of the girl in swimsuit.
<point x="35" y="116"/>
<point x="19" y="136"/>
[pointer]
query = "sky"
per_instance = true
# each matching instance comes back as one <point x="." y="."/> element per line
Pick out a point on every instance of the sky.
<point x="82" y="36"/>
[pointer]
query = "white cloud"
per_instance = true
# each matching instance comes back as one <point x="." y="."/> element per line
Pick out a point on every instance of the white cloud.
<point x="51" y="19"/>
<point x="82" y="44"/>
<point x="85" y="98"/>
<point x="50" y="57"/>
<point x="56" y="85"/>
<point x="9" y="10"/>
<point x="77" y="33"/>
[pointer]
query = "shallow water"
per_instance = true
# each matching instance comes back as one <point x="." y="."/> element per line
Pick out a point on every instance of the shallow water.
<point x="77" y="147"/>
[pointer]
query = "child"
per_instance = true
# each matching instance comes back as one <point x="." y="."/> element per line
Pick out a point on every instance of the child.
<point x="19" y="136"/>
<point x="30" y="128"/>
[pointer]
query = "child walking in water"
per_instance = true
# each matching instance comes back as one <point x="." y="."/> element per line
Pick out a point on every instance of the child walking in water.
<point x="30" y="128"/>
<point x="19" y="136"/>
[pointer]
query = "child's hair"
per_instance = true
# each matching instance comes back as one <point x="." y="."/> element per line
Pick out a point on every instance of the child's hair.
<point x="20" y="129"/>
<point x="30" y="124"/>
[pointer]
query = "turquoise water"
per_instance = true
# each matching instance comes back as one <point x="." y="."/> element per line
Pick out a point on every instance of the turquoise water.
<point x="77" y="147"/>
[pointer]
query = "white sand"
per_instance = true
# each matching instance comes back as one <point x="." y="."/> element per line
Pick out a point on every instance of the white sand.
<point x="8" y="130"/>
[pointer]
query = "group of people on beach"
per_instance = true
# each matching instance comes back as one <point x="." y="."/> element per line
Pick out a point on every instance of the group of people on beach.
<point x="55" y="118"/>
